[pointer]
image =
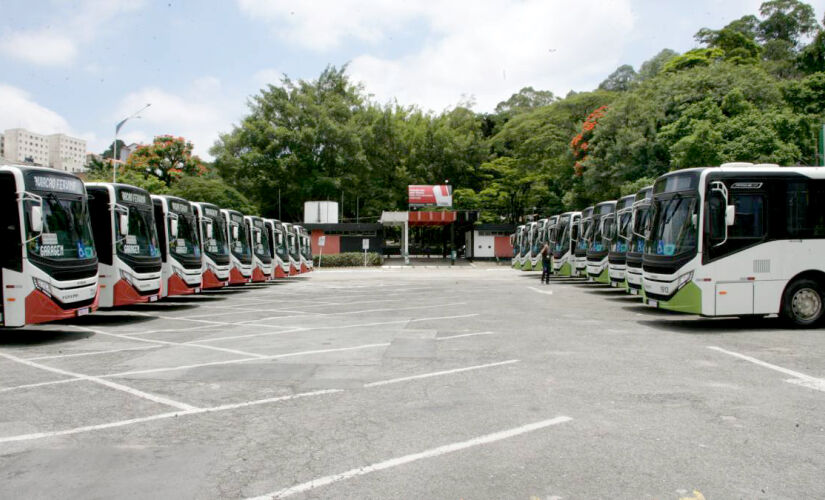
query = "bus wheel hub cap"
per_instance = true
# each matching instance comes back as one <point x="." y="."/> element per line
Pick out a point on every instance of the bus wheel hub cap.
<point x="806" y="304"/>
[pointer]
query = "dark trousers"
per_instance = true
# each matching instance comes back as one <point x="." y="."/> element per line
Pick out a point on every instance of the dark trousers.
<point x="545" y="270"/>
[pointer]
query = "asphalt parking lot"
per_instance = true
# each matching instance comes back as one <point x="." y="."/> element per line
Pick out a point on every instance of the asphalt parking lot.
<point x="465" y="383"/>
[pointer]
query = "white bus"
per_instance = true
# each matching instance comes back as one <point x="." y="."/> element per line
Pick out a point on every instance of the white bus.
<point x="305" y="249"/>
<point x="565" y="236"/>
<point x="214" y="245"/>
<point x="636" y="245"/>
<point x="617" y="233"/>
<point x="292" y="249"/>
<point x="180" y="248"/>
<point x="580" y="252"/>
<point x="537" y="238"/>
<point x="261" y="253"/>
<point x="518" y="245"/>
<point x="531" y="234"/>
<point x="598" y="246"/>
<point x="240" y="248"/>
<point x="126" y="241"/>
<point x="278" y="244"/>
<point x="738" y="240"/>
<point x="48" y="260"/>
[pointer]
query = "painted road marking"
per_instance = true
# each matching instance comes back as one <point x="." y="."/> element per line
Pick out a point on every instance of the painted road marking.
<point x="107" y="383"/>
<point x="545" y="292"/>
<point x="335" y="327"/>
<point x="431" y="453"/>
<point x="438" y="374"/>
<point x="362" y="311"/>
<point x="93" y="353"/>
<point x="448" y="337"/>
<point x="40" y="384"/>
<point x="195" y="411"/>
<point x="799" y="378"/>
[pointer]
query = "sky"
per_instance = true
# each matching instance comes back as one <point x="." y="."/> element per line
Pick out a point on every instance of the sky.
<point x="81" y="66"/>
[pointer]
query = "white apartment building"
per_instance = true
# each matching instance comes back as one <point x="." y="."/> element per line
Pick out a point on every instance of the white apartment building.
<point x="57" y="151"/>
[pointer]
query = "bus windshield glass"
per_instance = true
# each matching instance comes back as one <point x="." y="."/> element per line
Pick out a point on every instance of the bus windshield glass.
<point x="587" y="229"/>
<point x="262" y="248"/>
<point x="142" y="238"/>
<point x="217" y="245"/>
<point x="561" y="235"/>
<point x="186" y="244"/>
<point x="637" y="240"/>
<point x="673" y="229"/>
<point x="596" y="240"/>
<point x="67" y="233"/>
<point x="280" y="243"/>
<point x="619" y="243"/>
<point x="240" y="246"/>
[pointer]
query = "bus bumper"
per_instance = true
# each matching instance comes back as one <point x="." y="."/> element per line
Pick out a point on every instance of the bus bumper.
<point x="42" y="309"/>
<point x="687" y="299"/>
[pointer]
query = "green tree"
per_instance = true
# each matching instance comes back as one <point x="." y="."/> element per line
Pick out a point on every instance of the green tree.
<point x="525" y="100"/>
<point x="212" y="190"/>
<point x="620" y="80"/>
<point x="654" y="65"/>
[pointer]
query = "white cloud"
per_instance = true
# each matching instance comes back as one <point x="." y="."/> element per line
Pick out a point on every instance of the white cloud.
<point x="323" y="24"/>
<point x="491" y="49"/>
<point x="487" y="49"/>
<point x="199" y="114"/>
<point x="40" y="47"/>
<point x="74" y="25"/>
<point x="18" y="110"/>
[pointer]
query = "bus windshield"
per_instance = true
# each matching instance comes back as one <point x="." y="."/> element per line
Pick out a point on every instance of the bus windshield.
<point x="186" y="244"/>
<point x="561" y="235"/>
<point x="240" y="246"/>
<point x="637" y="240"/>
<point x="619" y="243"/>
<point x="262" y="248"/>
<point x="67" y="232"/>
<point x="142" y="238"/>
<point x="587" y="229"/>
<point x="673" y="229"/>
<point x="217" y="245"/>
<point x="280" y="243"/>
<point x="596" y="240"/>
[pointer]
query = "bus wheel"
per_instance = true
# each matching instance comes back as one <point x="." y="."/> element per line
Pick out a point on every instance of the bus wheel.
<point x="802" y="303"/>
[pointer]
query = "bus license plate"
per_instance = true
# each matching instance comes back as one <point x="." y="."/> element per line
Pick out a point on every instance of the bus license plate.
<point x="197" y="290"/>
<point x="83" y="311"/>
<point x="153" y="298"/>
<point x="614" y="284"/>
<point x="653" y="303"/>
<point x="633" y="291"/>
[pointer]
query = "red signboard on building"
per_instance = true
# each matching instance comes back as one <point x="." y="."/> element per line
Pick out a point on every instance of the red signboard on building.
<point x="435" y="196"/>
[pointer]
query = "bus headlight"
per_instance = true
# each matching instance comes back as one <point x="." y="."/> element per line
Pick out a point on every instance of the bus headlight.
<point x="43" y="286"/>
<point x="683" y="279"/>
<point x="127" y="277"/>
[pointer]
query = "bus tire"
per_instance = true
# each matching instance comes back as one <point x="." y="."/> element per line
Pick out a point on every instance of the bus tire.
<point x="802" y="303"/>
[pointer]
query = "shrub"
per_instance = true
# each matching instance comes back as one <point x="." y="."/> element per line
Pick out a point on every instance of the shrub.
<point x="348" y="259"/>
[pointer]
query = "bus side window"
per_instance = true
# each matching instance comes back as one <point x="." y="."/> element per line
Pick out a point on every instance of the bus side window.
<point x="750" y="216"/>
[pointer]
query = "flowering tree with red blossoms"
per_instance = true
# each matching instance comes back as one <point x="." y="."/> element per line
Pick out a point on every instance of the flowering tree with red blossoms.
<point x="168" y="158"/>
<point x="581" y="142"/>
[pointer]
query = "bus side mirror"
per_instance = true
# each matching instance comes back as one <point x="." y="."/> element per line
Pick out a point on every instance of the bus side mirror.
<point x="235" y="232"/>
<point x="258" y="238"/>
<point x="209" y="230"/>
<point x="694" y="220"/>
<point x="173" y="228"/>
<point x="37" y="218"/>
<point x="730" y="215"/>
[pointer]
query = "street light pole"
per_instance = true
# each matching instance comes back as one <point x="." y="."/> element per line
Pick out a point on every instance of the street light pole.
<point x="117" y="130"/>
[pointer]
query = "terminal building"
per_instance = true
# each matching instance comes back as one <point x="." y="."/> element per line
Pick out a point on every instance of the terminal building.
<point x="419" y="234"/>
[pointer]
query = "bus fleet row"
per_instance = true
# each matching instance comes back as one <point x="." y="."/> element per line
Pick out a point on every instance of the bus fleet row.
<point x="736" y="240"/>
<point x="69" y="247"/>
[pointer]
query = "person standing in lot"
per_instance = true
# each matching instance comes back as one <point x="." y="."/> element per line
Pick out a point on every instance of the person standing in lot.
<point x="545" y="264"/>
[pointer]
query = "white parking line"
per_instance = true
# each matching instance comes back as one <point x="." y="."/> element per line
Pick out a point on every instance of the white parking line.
<point x="800" y="379"/>
<point x="448" y="337"/>
<point x="414" y="457"/>
<point x="244" y="360"/>
<point x="545" y="292"/>
<point x="40" y="384"/>
<point x="107" y="383"/>
<point x="94" y="353"/>
<point x="194" y="411"/>
<point x="167" y="342"/>
<point x="438" y="374"/>
<point x="362" y="311"/>
<point x="335" y="327"/>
